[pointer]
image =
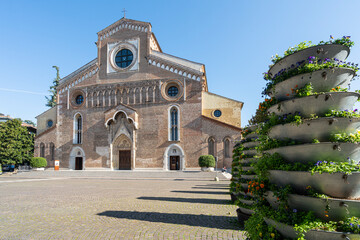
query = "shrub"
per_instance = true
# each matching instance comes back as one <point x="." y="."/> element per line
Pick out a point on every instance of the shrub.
<point x="38" y="162"/>
<point x="207" y="161"/>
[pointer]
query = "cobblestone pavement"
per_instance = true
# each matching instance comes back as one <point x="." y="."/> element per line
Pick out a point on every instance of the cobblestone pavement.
<point x="88" y="206"/>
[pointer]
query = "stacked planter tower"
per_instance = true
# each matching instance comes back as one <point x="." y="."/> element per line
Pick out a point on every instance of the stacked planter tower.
<point x="313" y="134"/>
<point x="245" y="154"/>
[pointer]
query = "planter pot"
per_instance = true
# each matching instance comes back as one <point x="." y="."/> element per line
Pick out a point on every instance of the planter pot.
<point x="285" y="230"/>
<point x="246" y="210"/>
<point x="244" y="185"/>
<point x="316" y="104"/>
<point x="252" y="135"/>
<point x="340" y="209"/>
<point x="245" y="194"/>
<point x="38" y="169"/>
<point x="289" y="232"/>
<point x="207" y="169"/>
<point x="247" y="168"/>
<point x="250" y="177"/>
<point x="233" y="197"/>
<point x="338" y="51"/>
<point x="320" y="128"/>
<point x="322" y="81"/>
<point x="252" y="127"/>
<point x="248" y="160"/>
<point x="242" y="217"/>
<point x="251" y="152"/>
<point x="337" y="185"/>
<point x="245" y="201"/>
<point x="251" y="144"/>
<point x="336" y="152"/>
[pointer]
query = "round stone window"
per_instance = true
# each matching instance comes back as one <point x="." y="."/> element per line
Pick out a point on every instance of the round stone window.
<point x="79" y="99"/>
<point x="49" y="123"/>
<point x="173" y="91"/>
<point x="217" y="113"/>
<point x="124" y="58"/>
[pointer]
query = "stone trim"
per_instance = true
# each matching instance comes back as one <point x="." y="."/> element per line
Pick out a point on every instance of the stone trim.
<point x="175" y="68"/>
<point x="122" y="24"/>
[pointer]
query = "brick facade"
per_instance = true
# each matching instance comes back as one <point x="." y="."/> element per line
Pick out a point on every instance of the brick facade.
<point x="129" y="109"/>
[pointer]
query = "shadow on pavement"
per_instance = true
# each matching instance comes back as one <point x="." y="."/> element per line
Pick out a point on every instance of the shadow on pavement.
<point x="190" y="200"/>
<point x="218" y="188"/>
<point x="203" y="192"/>
<point x="208" y="221"/>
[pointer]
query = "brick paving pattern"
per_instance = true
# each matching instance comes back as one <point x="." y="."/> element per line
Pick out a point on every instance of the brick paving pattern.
<point x="112" y="205"/>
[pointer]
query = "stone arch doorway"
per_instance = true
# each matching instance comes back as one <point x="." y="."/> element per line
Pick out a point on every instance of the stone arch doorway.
<point x="77" y="159"/>
<point x="121" y="152"/>
<point x="174" y="158"/>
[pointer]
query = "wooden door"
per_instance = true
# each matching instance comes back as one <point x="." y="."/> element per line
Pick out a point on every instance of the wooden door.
<point x="125" y="160"/>
<point x="174" y="162"/>
<point x="78" y="163"/>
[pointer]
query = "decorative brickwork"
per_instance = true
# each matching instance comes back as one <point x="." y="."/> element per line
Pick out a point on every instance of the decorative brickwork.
<point x="127" y="110"/>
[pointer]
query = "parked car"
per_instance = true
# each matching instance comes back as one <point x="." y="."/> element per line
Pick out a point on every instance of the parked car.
<point x="8" y="168"/>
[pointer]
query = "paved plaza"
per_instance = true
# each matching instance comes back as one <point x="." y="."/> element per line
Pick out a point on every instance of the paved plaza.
<point x="116" y="205"/>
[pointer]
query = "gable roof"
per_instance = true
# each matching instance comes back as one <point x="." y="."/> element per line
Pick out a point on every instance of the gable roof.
<point x="124" y="23"/>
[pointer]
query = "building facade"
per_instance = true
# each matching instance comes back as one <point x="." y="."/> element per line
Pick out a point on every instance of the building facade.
<point x="136" y="107"/>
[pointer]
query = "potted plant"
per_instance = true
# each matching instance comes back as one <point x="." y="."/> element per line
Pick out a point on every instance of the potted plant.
<point x="38" y="163"/>
<point x="207" y="163"/>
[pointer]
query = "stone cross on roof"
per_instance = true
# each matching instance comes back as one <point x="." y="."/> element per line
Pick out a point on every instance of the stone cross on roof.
<point x="124" y="11"/>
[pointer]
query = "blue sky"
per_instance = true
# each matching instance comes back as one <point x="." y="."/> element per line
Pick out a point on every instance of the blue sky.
<point x="235" y="39"/>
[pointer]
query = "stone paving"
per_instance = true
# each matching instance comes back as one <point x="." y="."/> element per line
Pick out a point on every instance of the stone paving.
<point x="112" y="205"/>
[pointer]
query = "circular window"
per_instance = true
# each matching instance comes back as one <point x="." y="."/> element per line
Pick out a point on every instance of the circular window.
<point x="124" y="58"/>
<point x="49" y="123"/>
<point x="173" y="91"/>
<point x="217" y="113"/>
<point x="79" y="99"/>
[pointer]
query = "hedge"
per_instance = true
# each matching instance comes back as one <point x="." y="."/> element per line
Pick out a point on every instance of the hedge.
<point x="207" y="161"/>
<point x="38" y="162"/>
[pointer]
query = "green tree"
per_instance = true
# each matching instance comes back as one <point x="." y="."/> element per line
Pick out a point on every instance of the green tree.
<point x="51" y="100"/>
<point x="16" y="143"/>
<point x="30" y="122"/>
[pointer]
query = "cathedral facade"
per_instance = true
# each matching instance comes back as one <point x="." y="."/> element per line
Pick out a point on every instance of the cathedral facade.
<point x="135" y="107"/>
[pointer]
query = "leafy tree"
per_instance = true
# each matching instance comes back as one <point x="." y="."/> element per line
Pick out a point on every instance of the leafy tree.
<point x="51" y="100"/>
<point x="30" y="122"/>
<point x="16" y="143"/>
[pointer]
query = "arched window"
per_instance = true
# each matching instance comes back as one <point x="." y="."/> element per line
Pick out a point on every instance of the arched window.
<point x="42" y="150"/>
<point x="174" y="124"/>
<point x="211" y="143"/>
<point x="78" y="129"/>
<point x="227" y="148"/>
<point x="52" y="151"/>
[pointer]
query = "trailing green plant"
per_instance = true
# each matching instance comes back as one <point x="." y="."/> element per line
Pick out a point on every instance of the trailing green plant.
<point x="344" y="113"/>
<point x="307" y="90"/>
<point x="274" y="120"/>
<point x="346" y="137"/>
<point x="270" y="143"/>
<point x="351" y="224"/>
<point x="335" y="167"/>
<point x="281" y="192"/>
<point x="257" y="229"/>
<point x="291" y="50"/>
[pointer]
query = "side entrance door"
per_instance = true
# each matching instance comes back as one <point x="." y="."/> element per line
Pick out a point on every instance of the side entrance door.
<point x="174" y="162"/>
<point x="78" y="163"/>
<point x="125" y="160"/>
